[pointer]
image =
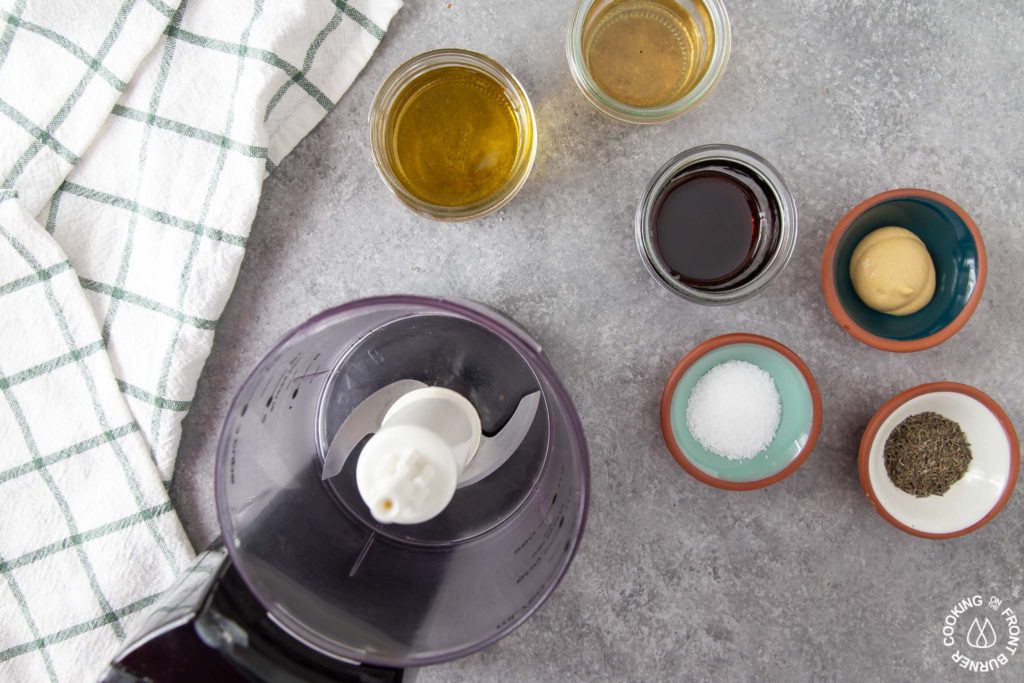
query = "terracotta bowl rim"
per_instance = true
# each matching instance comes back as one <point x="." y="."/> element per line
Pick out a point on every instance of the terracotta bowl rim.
<point x="896" y="345"/>
<point x="887" y="409"/>
<point x="703" y="349"/>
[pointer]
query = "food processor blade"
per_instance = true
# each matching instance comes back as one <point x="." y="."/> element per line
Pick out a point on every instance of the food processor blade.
<point x="368" y="416"/>
<point x="495" y="450"/>
<point x="365" y="419"/>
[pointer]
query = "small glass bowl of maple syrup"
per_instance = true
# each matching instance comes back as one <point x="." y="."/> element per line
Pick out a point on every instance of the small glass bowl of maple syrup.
<point x="716" y="224"/>
<point x="648" y="61"/>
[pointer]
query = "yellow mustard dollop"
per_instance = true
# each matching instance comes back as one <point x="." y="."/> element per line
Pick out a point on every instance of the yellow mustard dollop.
<point x="892" y="271"/>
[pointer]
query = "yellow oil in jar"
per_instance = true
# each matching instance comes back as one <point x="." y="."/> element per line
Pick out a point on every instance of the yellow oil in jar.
<point x="453" y="136"/>
<point x="644" y="53"/>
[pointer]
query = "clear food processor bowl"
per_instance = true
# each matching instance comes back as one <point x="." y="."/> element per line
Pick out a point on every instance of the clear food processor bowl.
<point x="358" y="590"/>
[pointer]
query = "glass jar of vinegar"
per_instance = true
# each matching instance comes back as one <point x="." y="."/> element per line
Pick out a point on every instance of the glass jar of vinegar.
<point x="647" y="61"/>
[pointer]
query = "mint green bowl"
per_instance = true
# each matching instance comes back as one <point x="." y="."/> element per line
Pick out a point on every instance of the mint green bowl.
<point x="798" y="430"/>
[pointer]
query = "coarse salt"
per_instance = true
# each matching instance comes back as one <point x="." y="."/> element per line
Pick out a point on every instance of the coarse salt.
<point x="734" y="410"/>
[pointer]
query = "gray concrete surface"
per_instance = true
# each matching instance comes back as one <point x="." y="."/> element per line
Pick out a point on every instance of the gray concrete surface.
<point x="675" y="580"/>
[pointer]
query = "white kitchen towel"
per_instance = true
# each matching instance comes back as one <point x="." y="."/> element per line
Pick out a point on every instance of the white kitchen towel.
<point x="134" y="139"/>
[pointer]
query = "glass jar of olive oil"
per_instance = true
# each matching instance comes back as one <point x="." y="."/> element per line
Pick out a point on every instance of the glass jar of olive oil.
<point x="647" y="61"/>
<point x="453" y="134"/>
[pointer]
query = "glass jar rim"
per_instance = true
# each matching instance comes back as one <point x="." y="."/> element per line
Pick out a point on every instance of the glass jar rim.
<point x="759" y="166"/>
<point x="722" y="28"/>
<point x="395" y="83"/>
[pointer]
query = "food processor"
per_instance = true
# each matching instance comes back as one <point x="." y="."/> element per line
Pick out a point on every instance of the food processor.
<point x="400" y="482"/>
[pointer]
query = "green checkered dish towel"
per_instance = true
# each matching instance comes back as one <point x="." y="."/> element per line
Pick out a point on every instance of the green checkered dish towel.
<point x="134" y="139"/>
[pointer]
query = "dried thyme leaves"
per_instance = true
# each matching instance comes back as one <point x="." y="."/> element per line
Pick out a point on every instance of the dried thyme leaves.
<point x="926" y="454"/>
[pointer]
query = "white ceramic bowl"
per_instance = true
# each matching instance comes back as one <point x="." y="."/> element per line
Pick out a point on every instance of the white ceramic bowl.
<point x="971" y="502"/>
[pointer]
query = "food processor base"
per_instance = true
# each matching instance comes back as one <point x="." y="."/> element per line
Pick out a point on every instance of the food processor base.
<point x="208" y="626"/>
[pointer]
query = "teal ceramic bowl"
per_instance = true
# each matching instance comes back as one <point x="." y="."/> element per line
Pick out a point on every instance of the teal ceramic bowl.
<point x="956" y="248"/>
<point x="798" y="430"/>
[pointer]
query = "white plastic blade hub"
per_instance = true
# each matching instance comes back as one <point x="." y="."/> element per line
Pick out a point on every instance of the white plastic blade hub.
<point x="408" y="471"/>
